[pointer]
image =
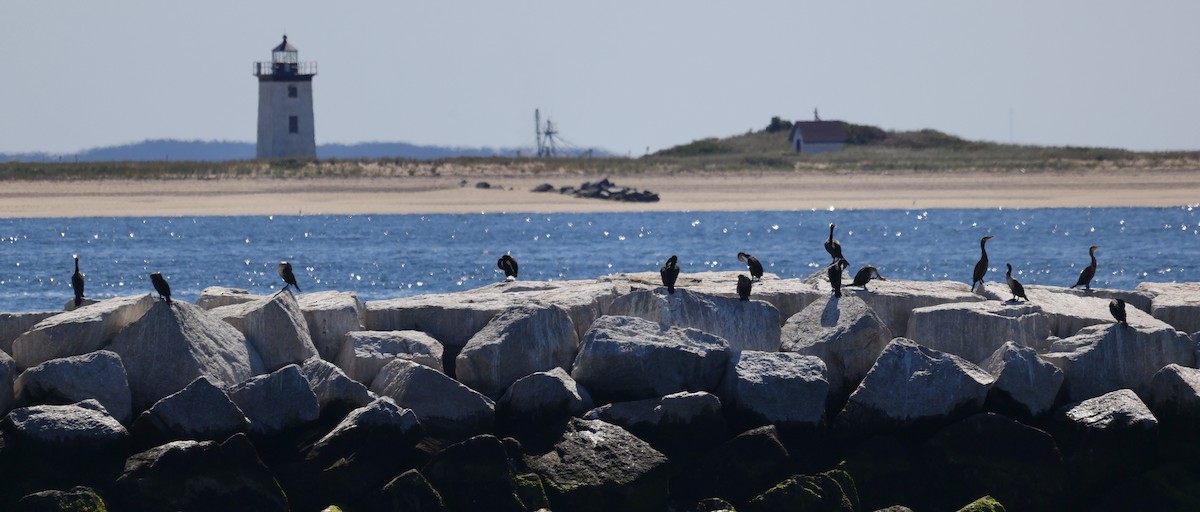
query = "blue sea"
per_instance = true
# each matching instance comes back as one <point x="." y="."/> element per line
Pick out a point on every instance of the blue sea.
<point x="386" y="256"/>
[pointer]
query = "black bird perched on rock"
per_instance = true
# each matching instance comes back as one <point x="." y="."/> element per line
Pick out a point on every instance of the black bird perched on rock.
<point x="161" y="286"/>
<point x="833" y="247"/>
<point x="285" y="271"/>
<point x="743" y="287"/>
<point x="1014" y="285"/>
<point x="509" y="265"/>
<point x="835" y="276"/>
<point x="1085" y="277"/>
<point x="752" y="263"/>
<point x="1117" y="308"/>
<point x="669" y="273"/>
<point x="77" y="283"/>
<point x="982" y="266"/>
<point x="864" y="276"/>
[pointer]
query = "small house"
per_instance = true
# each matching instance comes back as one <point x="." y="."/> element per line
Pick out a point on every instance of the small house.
<point x="817" y="136"/>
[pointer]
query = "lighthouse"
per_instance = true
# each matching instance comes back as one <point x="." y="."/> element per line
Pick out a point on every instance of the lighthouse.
<point x="285" y="105"/>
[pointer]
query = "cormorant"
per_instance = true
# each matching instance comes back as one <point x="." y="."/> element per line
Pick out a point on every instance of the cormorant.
<point x="509" y="266"/>
<point x="670" y="272"/>
<point x="981" y="267"/>
<point x="1085" y="277"/>
<point x="77" y="283"/>
<point x="743" y="288"/>
<point x="864" y="276"/>
<point x="751" y="263"/>
<point x="835" y="276"/>
<point x="1014" y="285"/>
<point x="285" y="271"/>
<point x="833" y="247"/>
<point x="1117" y="308"/>
<point x="160" y="286"/>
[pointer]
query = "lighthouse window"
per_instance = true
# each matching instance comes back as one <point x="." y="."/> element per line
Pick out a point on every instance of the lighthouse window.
<point x="291" y="91"/>
<point x="293" y="124"/>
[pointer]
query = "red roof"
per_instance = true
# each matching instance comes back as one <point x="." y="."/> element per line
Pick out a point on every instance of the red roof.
<point x="819" y="131"/>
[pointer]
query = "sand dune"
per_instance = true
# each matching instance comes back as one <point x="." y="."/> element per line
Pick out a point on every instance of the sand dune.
<point x="749" y="190"/>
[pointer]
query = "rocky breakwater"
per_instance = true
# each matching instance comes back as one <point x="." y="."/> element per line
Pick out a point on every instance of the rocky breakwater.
<point x="602" y="189"/>
<point x="605" y="395"/>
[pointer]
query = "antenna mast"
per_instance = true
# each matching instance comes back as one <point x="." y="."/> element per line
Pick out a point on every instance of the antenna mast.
<point x="546" y="135"/>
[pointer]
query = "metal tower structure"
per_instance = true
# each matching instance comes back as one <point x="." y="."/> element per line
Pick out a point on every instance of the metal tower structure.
<point x="548" y="140"/>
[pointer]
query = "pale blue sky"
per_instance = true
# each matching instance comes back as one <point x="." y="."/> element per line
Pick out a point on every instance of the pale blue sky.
<point x="619" y="75"/>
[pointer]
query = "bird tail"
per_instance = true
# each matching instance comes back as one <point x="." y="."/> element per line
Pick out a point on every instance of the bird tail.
<point x="78" y="301"/>
<point x="671" y="290"/>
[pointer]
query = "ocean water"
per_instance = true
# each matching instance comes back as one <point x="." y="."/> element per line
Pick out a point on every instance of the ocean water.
<point x="386" y="256"/>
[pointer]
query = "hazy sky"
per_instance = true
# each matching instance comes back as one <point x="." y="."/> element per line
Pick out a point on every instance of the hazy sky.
<point x="619" y="75"/>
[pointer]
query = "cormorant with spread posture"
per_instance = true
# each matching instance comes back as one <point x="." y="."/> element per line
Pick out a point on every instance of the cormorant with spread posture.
<point x="833" y="247"/>
<point x="509" y="265"/>
<point x="752" y="263"/>
<point x="835" y="276"/>
<point x="669" y="273"/>
<point x="1014" y="286"/>
<point x="1117" y="308"/>
<point x="77" y="283"/>
<point x="160" y="286"/>
<point x="1085" y="277"/>
<point x="864" y="276"/>
<point x="285" y="271"/>
<point x="743" y="288"/>
<point x="981" y="267"/>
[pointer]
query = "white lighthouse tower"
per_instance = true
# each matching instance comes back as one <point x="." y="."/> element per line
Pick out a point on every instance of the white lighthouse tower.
<point x="285" y="105"/>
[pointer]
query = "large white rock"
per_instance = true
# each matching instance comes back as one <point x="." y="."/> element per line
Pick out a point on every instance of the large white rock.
<point x="1117" y="410"/>
<point x="1175" y="393"/>
<point x="363" y="353"/>
<point x="216" y="296"/>
<point x="453" y="318"/>
<point x="789" y="296"/>
<point x="330" y="315"/>
<point x="332" y="387"/>
<point x="845" y="333"/>
<point x="681" y="423"/>
<point x="1139" y="299"/>
<point x="99" y="375"/>
<point x="199" y="411"/>
<point x="629" y="358"/>
<point x="746" y="325"/>
<point x="84" y="330"/>
<point x="446" y="408"/>
<point x="84" y="425"/>
<point x="8" y="372"/>
<point x="776" y="388"/>
<point x="173" y="344"/>
<point x="1023" y="379"/>
<point x="911" y="383"/>
<point x="277" y="401"/>
<point x="895" y="299"/>
<point x="12" y="325"/>
<point x="543" y="398"/>
<point x="275" y="326"/>
<point x="974" y="330"/>
<point x="1104" y="358"/>
<point x="1177" y="304"/>
<point x="1068" y="313"/>
<point x="518" y="342"/>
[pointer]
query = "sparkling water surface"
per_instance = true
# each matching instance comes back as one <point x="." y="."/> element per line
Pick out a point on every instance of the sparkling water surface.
<point x="386" y="256"/>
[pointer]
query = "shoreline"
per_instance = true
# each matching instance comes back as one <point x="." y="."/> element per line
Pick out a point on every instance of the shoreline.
<point x="679" y="191"/>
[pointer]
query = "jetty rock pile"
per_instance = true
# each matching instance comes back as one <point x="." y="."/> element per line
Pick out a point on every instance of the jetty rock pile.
<point x="607" y="394"/>
<point x="602" y="189"/>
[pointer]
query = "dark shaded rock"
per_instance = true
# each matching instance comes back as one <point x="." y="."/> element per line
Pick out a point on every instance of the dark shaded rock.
<point x="200" y="411"/>
<point x="277" y="401"/>
<point x="408" y="492"/>
<point x="887" y="471"/>
<point x="984" y="504"/>
<point x="59" y="446"/>
<point x="78" y="499"/>
<point x="483" y="184"/>
<point x="737" y="470"/>
<point x="1105" y="439"/>
<point x="99" y="375"/>
<point x="544" y="187"/>
<point x="831" y="491"/>
<point x="994" y="455"/>
<point x="600" y="467"/>
<point x="1175" y="393"/>
<point x="711" y="505"/>
<point x="541" y="403"/>
<point x="1170" y="487"/>
<point x="474" y="475"/>
<point x="199" y="475"/>
<point x="8" y="373"/>
<point x="678" y="425"/>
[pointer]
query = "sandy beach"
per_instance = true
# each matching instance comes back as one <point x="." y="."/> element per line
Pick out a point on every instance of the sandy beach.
<point x="457" y="193"/>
